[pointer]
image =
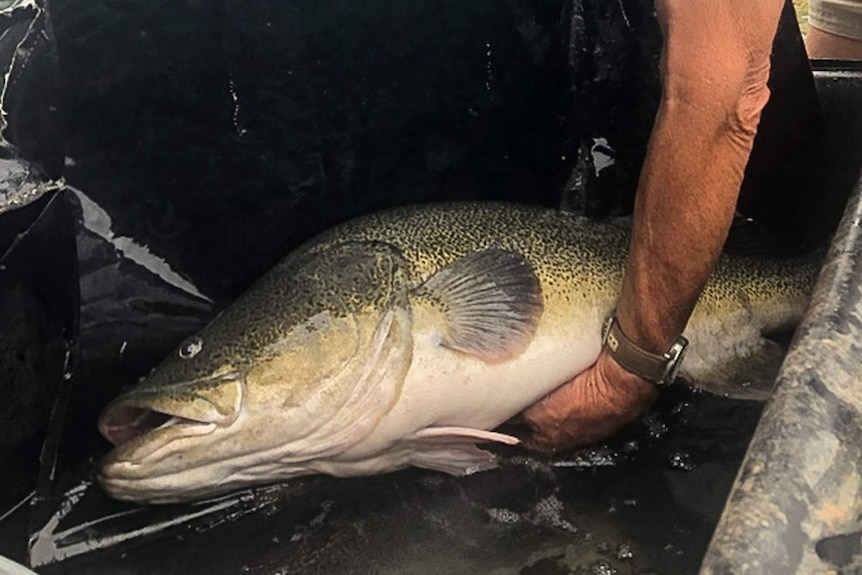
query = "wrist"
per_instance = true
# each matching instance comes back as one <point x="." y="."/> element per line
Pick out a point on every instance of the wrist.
<point x="658" y="368"/>
<point x="632" y="393"/>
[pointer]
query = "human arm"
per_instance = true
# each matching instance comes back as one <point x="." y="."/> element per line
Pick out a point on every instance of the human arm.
<point x="714" y="69"/>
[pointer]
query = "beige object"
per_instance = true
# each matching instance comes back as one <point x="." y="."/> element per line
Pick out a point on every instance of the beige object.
<point x="838" y="17"/>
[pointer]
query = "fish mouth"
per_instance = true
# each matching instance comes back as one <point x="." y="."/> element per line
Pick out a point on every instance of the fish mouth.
<point x="145" y="419"/>
<point x="124" y="423"/>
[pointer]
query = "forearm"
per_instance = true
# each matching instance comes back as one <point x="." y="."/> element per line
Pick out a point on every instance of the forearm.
<point x="688" y="192"/>
<point x="715" y="65"/>
<point x="714" y="88"/>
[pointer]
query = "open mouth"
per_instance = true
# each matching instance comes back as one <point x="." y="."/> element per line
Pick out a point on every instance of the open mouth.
<point x="186" y="408"/>
<point x="124" y="423"/>
<point x="138" y="433"/>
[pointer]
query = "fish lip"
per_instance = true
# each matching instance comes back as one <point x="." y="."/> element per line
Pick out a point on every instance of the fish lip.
<point x="128" y="489"/>
<point x="141" y="414"/>
<point x="124" y="460"/>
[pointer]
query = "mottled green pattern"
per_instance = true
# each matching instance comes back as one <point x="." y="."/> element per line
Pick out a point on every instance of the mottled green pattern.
<point x="566" y="251"/>
<point x="344" y="280"/>
<point x="758" y="283"/>
<point x="389" y="253"/>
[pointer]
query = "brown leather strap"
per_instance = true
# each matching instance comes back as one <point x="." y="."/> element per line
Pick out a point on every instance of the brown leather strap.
<point x="650" y="366"/>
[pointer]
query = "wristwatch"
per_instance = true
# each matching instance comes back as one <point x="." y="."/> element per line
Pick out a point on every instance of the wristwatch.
<point x="659" y="369"/>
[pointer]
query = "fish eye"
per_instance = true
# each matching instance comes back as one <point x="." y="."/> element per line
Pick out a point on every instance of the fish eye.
<point x="191" y="347"/>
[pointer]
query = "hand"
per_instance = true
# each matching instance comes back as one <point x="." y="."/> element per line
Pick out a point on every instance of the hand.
<point x="589" y="408"/>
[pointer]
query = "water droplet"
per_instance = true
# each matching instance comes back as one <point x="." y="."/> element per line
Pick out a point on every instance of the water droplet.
<point x="67" y="365"/>
<point x="655" y="427"/>
<point x="602" y="567"/>
<point x="682" y="411"/>
<point x="631" y="446"/>
<point x="503" y="515"/>
<point x="489" y="72"/>
<point x="681" y="461"/>
<point x="549" y="511"/>
<point x="624" y="552"/>
<point x="590" y="457"/>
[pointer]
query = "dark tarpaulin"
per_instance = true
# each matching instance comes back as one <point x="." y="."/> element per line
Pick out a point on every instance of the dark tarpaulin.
<point x="38" y="273"/>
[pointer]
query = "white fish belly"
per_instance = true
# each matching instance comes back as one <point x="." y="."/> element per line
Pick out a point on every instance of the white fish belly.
<point x="448" y="388"/>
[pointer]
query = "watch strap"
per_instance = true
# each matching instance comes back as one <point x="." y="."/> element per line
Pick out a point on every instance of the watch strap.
<point x="659" y="369"/>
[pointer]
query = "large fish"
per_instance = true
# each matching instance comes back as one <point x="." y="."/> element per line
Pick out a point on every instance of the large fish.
<point x="404" y="338"/>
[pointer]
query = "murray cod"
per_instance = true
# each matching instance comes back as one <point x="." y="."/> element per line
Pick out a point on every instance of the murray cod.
<point x="404" y="338"/>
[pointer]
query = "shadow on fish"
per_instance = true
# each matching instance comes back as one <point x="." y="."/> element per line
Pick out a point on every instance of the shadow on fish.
<point x="405" y="338"/>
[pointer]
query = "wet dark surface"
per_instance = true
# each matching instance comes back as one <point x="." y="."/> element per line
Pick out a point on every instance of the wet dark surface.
<point x="39" y="315"/>
<point x="645" y="503"/>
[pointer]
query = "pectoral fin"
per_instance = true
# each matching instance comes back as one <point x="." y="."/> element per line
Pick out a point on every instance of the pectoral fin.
<point x="457" y="460"/>
<point x="490" y="303"/>
<point x="452" y="450"/>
